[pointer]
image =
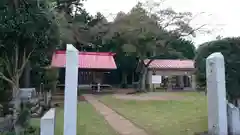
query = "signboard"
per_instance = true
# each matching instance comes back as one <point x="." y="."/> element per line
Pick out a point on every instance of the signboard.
<point x="156" y="79"/>
<point x="27" y="93"/>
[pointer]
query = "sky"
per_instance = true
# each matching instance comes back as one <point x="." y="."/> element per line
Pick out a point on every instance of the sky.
<point x="221" y="16"/>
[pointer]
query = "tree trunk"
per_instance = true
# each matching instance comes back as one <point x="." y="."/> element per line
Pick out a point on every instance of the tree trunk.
<point x="54" y="87"/>
<point x="45" y="98"/>
<point x="27" y="75"/>
<point x="133" y="78"/>
<point x="143" y="79"/>
<point x="14" y="90"/>
<point x="16" y="111"/>
<point x="17" y="127"/>
<point x="124" y="79"/>
<point x="17" y="107"/>
<point x="143" y="74"/>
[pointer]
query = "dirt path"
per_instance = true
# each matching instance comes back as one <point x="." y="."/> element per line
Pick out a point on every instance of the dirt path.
<point x="118" y="123"/>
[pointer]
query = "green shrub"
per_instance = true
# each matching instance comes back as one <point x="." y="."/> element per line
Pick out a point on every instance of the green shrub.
<point x="28" y="131"/>
<point x="230" y="48"/>
<point x="51" y="78"/>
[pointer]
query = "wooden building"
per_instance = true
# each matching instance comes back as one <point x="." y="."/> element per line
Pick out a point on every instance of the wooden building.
<point x="93" y="67"/>
<point x="175" y="74"/>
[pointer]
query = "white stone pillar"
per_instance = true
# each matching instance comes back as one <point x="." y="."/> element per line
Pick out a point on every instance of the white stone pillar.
<point x="233" y="119"/>
<point x="48" y="123"/>
<point x="70" y="92"/>
<point x="216" y="92"/>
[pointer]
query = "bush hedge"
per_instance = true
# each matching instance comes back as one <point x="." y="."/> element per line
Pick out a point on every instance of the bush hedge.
<point x="230" y="48"/>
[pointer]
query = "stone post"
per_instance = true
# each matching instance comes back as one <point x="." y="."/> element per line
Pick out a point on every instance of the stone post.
<point x="233" y="119"/>
<point x="70" y="92"/>
<point x="48" y="123"/>
<point x="216" y="93"/>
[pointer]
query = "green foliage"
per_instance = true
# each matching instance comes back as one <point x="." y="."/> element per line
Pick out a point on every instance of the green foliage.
<point x="4" y="94"/>
<point x="28" y="31"/>
<point x="141" y="34"/>
<point x="29" y="26"/>
<point x="125" y="62"/>
<point x="73" y="22"/>
<point x="24" y="117"/>
<point x="50" y="78"/>
<point x="184" y="47"/>
<point x="51" y="74"/>
<point x="73" y="30"/>
<point x="67" y="5"/>
<point x="96" y="19"/>
<point x="138" y="31"/>
<point x="24" y="121"/>
<point x="32" y="131"/>
<point x="144" y="33"/>
<point x="28" y="131"/>
<point x="230" y="48"/>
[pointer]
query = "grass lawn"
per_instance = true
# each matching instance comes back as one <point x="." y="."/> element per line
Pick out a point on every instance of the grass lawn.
<point x="184" y="117"/>
<point x="89" y="122"/>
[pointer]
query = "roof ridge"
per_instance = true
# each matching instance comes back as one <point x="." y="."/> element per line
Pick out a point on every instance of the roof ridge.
<point x="88" y="53"/>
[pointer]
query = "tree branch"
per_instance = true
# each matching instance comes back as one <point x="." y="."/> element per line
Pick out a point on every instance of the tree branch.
<point x="195" y="16"/>
<point x="149" y="62"/>
<point x="2" y="76"/>
<point x="25" y="61"/>
<point x="170" y="22"/>
<point x="194" y="30"/>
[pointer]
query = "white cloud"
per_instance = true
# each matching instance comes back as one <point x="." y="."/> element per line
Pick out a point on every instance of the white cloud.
<point x="224" y="13"/>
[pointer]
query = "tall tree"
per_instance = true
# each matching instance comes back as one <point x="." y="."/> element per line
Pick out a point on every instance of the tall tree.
<point x="27" y="31"/>
<point x="146" y="32"/>
<point x="73" y="20"/>
<point x="126" y="63"/>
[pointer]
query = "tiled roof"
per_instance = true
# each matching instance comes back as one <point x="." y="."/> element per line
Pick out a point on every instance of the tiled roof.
<point x="170" y="64"/>
<point x="87" y="60"/>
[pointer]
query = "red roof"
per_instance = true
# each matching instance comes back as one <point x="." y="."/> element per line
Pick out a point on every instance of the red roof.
<point x="87" y="60"/>
<point x="171" y="64"/>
